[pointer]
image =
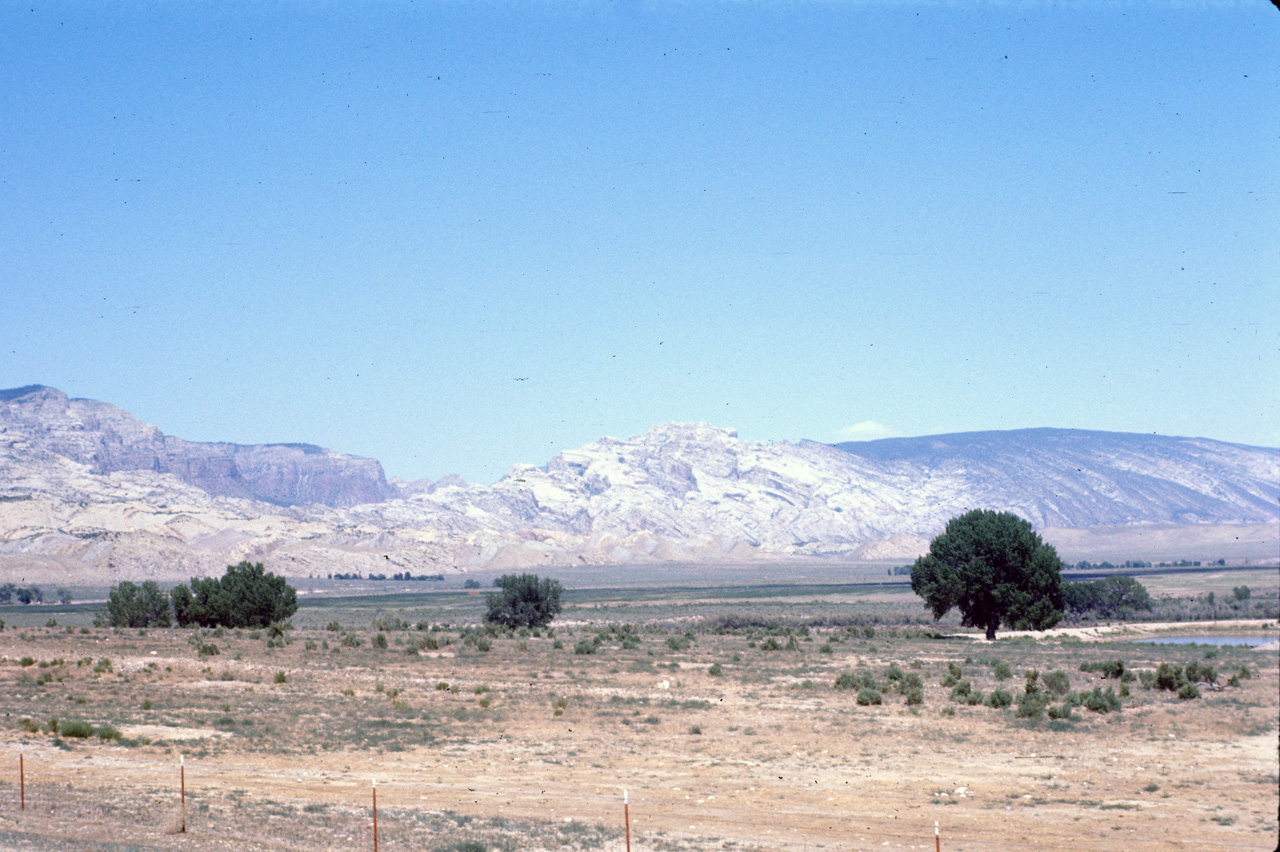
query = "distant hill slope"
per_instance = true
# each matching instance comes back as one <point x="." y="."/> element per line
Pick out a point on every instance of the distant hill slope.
<point x="1078" y="478"/>
<point x="86" y="490"/>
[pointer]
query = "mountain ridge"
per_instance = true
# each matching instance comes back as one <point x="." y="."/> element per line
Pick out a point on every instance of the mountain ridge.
<point x="87" y="489"/>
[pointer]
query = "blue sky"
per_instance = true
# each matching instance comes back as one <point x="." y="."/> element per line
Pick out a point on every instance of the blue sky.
<point x="455" y="236"/>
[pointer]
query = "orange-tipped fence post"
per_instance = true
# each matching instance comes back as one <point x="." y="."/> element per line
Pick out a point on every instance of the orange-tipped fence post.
<point x="22" y="776"/>
<point x="182" y="790"/>
<point x="937" y="841"/>
<point x="375" y="815"/>
<point x="626" y="818"/>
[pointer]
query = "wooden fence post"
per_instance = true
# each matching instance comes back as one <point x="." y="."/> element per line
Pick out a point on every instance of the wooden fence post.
<point x="626" y="817"/>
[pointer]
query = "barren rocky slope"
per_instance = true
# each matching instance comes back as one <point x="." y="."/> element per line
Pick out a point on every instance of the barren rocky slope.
<point x="87" y="491"/>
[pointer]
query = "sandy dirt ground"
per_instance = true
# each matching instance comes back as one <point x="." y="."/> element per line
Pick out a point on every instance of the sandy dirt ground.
<point x="752" y="759"/>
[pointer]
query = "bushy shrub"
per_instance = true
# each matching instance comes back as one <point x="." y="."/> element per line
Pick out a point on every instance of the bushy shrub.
<point x="1188" y="691"/>
<point x="999" y="698"/>
<point x="962" y="693"/>
<point x="868" y="696"/>
<point x="1059" y="711"/>
<point x="1200" y="672"/>
<point x="107" y="733"/>
<point x="281" y="677"/>
<point x="1100" y="701"/>
<point x="380" y="640"/>
<point x="417" y="643"/>
<point x="1057" y="682"/>
<point x="1031" y="705"/>
<point x="1001" y="670"/>
<point x="850" y="680"/>
<point x="915" y="696"/>
<point x="585" y="646"/>
<point x="75" y="729"/>
<point x="1032" y="682"/>
<point x="523" y="600"/>
<point x="715" y="670"/>
<point x="1169" y="677"/>
<point x="1107" y="668"/>
<point x="954" y="673"/>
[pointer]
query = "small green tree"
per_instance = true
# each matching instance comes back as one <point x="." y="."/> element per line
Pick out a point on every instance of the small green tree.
<point x="994" y="568"/>
<point x="523" y="600"/>
<point x="1109" y="597"/>
<point x="245" y="596"/>
<point x="131" y="605"/>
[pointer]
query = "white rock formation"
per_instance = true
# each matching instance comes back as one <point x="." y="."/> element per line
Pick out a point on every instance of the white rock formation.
<point x="89" y="493"/>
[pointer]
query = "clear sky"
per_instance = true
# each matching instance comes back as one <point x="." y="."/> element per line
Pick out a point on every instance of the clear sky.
<point x="455" y="236"/>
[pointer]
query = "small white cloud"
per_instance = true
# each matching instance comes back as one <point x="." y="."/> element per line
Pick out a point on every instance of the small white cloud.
<point x="867" y="430"/>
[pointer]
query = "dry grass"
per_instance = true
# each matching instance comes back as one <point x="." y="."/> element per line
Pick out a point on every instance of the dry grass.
<point x="528" y="744"/>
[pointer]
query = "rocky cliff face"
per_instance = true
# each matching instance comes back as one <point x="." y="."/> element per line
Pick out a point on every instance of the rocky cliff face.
<point x="88" y="491"/>
<point x="109" y="439"/>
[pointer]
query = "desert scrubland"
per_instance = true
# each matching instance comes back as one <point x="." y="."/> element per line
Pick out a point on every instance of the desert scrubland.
<point x="716" y="708"/>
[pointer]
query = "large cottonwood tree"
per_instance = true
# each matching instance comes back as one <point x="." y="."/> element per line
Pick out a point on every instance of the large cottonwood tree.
<point x="995" y="569"/>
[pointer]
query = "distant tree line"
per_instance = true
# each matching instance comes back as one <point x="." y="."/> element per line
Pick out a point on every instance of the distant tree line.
<point x="402" y="576"/>
<point x="245" y="596"/>
<point x="1085" y="565"/>
<point x="23" y="594"/>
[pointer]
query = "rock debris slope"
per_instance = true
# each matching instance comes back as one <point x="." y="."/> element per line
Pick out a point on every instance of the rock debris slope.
<point x="89" y="492"/>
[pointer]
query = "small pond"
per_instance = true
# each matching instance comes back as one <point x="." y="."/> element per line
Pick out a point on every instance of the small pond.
<point x="1250" y="641"/>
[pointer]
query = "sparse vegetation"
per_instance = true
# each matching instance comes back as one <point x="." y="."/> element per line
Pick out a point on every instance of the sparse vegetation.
<point x="537" y="714"/>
